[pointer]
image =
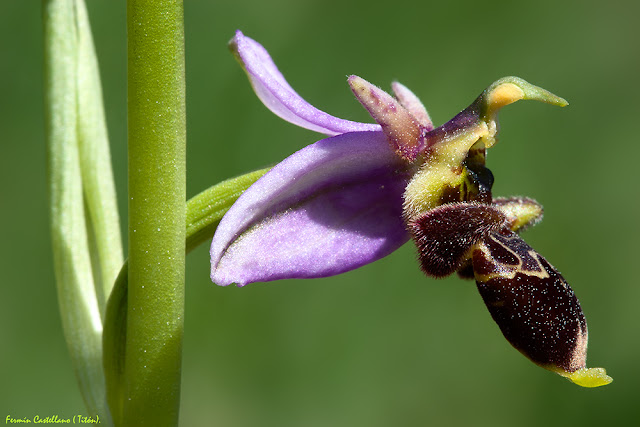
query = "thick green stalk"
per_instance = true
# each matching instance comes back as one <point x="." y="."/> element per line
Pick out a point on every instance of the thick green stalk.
<point x="204" y="212"/>
<point x="157" y="200"/>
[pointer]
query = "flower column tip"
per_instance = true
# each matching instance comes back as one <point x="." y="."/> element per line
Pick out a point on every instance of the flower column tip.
<point x="508" y="90"/>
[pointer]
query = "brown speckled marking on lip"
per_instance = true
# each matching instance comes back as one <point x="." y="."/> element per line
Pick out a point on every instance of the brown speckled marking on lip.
<point x="537" y="312"/>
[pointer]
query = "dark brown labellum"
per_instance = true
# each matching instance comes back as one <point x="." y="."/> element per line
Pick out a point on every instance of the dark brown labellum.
<point x="533" y="305"/>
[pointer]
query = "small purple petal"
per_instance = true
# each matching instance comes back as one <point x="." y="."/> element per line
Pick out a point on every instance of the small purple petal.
<point x="331" y="207"/>
<point x="278" y="96"/>
<point x="403" y="131"/>
<point x="413" y="104"/>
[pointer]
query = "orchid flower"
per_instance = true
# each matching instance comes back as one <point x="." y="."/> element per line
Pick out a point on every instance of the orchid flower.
<point x="358" y="195"/>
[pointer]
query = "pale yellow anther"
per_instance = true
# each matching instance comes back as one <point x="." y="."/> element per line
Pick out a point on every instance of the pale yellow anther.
<point x="504" y="94"/>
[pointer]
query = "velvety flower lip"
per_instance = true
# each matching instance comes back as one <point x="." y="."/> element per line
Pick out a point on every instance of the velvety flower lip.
<point x="331" y="207"/>
<point x="277" y="95"/>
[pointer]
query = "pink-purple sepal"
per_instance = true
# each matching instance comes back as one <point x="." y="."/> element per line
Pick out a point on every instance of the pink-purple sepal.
<point x="331" y="207"/>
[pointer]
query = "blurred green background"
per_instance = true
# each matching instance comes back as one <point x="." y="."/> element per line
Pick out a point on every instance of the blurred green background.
<point x="382" y="345"/>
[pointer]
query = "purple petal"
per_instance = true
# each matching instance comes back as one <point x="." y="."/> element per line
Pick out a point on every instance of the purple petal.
<point x="403" y="131"/>
<point x="276" y="94"/>
<point x="331" y="207"/>
<point x="413" y="104"/>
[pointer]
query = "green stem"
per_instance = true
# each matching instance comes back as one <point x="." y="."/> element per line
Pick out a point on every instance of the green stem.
<point x="157" y="211"/>
<point x="204" y="212"/>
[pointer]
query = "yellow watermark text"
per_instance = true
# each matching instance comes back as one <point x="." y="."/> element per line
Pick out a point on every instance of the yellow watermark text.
<point x="52" y="419"/>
